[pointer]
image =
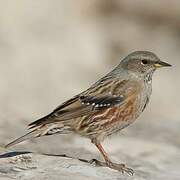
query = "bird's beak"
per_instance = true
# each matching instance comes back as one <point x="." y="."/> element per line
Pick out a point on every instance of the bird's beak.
<point x="159" y="64"/>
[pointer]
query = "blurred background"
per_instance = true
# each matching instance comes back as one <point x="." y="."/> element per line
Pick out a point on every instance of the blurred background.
<point x="52" y="50"/>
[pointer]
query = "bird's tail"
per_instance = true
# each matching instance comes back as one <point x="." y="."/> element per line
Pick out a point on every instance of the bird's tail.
<point x="44" y="130"/>
<point x="33" y="134"/>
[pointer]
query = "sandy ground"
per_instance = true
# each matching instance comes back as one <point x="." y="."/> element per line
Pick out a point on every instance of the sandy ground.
<point x="52" y="50"/>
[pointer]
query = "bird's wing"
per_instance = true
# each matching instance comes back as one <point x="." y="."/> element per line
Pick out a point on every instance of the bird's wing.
<point x="84" y="104"/>
<point x="78" y="107"/>
<point x="73" y="108"/>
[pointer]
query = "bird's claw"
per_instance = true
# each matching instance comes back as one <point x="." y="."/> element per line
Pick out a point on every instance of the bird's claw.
<point x="119" y="167"/>
<point x="95" y="162"/>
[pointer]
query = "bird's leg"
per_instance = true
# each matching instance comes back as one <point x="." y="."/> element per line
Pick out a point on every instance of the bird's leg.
<point x="119" y="167"/>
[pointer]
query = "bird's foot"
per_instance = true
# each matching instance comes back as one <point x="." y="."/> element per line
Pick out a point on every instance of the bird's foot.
<point x="119" y="167"/>
<point x="97" y="163"/>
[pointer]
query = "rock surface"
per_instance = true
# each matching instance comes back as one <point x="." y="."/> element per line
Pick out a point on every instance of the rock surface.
<point x="150" y="160"/>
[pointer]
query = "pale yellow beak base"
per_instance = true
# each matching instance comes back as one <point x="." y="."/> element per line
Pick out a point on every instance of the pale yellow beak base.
<point x="161" y="64"/>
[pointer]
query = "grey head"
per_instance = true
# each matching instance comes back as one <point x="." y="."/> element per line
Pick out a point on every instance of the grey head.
<point x="142" y="63"/>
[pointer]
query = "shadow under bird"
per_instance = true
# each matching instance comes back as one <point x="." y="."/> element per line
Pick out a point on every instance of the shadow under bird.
<point x="109" y="105"/>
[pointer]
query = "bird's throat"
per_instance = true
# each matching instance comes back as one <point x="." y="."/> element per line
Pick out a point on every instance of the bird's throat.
<point x="148" y="78"/>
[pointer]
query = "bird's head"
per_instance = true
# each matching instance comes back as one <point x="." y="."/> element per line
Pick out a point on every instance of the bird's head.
<point x="142" y="62"/>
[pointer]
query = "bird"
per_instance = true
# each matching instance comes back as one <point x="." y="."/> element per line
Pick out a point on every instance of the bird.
<point x="105" y="108"/>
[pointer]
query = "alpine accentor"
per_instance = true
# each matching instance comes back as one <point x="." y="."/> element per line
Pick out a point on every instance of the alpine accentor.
<point x="111" y="104"/>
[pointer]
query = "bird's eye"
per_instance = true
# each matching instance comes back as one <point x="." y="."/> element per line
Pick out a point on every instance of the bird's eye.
<point x="144" y="62"/>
